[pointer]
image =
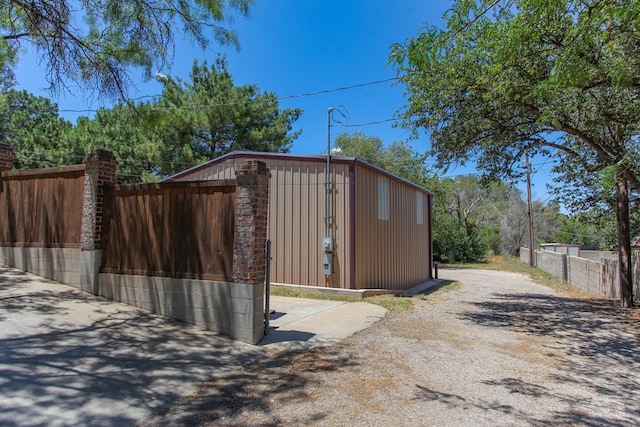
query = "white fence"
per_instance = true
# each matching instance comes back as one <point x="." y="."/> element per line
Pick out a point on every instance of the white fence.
<point x="598" y="274"/>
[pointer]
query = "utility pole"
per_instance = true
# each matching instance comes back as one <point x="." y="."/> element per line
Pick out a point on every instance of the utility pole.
<point x="526" y="159"/>
<point x="328" y="189"/>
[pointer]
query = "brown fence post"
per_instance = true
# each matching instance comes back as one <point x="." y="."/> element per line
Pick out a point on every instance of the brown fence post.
<point x="249" y="259"/>
<point x="100" y="172"/>
<point x="6" y="157"/>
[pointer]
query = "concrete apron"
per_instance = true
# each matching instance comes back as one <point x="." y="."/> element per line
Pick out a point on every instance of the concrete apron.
<point x="300" y="323"/>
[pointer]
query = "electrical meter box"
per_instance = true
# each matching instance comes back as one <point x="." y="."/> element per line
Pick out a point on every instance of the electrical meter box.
<point x="327" y="256"/>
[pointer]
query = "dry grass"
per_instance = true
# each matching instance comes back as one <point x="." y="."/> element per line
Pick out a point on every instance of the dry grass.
<point x="397" y="304"/>
<point x="392" y="303"/>
<point x="311" y="294"/>
<point x="388" y="301"/>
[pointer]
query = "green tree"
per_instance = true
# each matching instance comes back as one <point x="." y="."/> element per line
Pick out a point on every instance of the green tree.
<point x="557" y="78"/>
<point x="398" y="157"/>
<point x="474" y="209"/>
<point x="93" y="43"/>
<point x="509" y="216"/>
<point x="33" y="128"/>
<point x="191" y="123"/>
<point x="133" y="135"/>
<point x="211" y="116"/>
<point x="365" y="147"/>
<point x="577" y="230"/>
<point x="591" y="198"/>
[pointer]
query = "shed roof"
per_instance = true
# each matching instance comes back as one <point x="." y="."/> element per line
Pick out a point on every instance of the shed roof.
<point x="315" y="158"/>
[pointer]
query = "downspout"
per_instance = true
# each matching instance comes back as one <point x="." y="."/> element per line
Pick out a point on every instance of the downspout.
<point x="352" y="225"/>
<point x="431" y="236"/>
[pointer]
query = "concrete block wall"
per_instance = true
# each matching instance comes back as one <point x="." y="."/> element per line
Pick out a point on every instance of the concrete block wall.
<point x="199" y="302"/>
<point x="609" y="278"/>
<point x="599" y="277"/>
<point x="553" y="263"/>
<point x="598" y="255"/>
<point x="59" y="264"/>
<point x="584" y="274"/>
<point x="524" y="256"/>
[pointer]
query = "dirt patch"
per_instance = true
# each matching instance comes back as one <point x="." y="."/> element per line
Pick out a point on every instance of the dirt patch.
<point x="500" y="350"/>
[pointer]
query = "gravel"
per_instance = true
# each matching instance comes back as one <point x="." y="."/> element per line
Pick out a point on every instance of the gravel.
<point x="500" y="350"/>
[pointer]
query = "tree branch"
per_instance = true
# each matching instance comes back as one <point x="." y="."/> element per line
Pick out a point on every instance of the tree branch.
<point x="16" y="36"/>
<point x="563" y="126"/>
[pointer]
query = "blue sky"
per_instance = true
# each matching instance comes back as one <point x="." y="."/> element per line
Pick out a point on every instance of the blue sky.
<point x="294" y="47"/>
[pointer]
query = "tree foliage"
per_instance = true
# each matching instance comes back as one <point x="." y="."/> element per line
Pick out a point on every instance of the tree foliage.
<point x="214" y="116"/>
<point x="134" y="135"/>
<point x="558" y="78"/>
<point x="93" y="43"/>
<point x="35" y="131"/>
<point x="398" y="157"/>
<point x="190" y="123"/>
<point x="465" y="217"/>
<point x="494" y="85"/>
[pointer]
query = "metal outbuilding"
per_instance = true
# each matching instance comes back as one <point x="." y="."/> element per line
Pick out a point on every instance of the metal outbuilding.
<point x="562" y="248"/>
<point x="364" y="228"/>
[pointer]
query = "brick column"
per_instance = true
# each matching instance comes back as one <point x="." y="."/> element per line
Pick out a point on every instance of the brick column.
<point x="249" y="258"/>
<point x="100" y="172"/>
<point x="6" y="157"/>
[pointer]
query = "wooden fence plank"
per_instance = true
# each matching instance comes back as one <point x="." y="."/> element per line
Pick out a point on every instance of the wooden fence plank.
<point x="42" y="208"/>
<point x="178" y="230"/>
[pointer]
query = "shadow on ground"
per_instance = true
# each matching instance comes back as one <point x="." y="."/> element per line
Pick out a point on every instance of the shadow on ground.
<point x="284" y="377"/>
<point x="67" y="358"/>
<point x="596" y="345"/>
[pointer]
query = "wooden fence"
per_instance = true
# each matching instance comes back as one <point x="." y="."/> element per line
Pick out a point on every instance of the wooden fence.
<point x="42" y="208"/>
<point x="182" y="230"/>
<point x="205" y="240"/>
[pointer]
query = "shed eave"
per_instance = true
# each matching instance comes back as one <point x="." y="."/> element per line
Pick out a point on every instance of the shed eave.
<point x="287" y="156"/>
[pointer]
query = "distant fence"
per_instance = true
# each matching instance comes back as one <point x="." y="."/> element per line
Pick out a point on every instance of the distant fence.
<point x="553" y="263"/>
<point x="598" y="274"/>
<point x="181" y="230"/>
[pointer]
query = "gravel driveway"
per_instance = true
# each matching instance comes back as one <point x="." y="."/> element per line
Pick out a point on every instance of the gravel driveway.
<point x="500" y="350"/>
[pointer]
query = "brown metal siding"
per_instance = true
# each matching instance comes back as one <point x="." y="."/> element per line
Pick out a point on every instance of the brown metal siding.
<point x="296" y="218"/>
<point x="395" y="253"/>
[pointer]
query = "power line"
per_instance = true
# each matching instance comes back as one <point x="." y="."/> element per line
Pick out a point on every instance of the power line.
<point x="465" y="27"/>
<point x="301" y="95"/>
<point x="280" y="98"/>
<point x="372" y="123"/>
<point x="338" y="89"/>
